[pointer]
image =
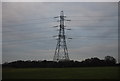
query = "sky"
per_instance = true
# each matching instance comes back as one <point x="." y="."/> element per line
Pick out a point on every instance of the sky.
<point x="59" y="0"/>
<point x="27" y="30"/>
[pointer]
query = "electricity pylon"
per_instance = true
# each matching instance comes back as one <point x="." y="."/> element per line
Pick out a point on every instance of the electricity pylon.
<point x="61" y="51"/>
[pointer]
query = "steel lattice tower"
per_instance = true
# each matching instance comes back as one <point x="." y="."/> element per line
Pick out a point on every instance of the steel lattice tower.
<point x="61" y="51"/>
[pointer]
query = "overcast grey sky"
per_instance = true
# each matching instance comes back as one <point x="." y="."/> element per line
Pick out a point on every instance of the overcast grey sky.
<point x="28" y="30"/>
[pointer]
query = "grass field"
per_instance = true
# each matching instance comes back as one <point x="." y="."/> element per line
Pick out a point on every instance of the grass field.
<point x="62" y="73"/>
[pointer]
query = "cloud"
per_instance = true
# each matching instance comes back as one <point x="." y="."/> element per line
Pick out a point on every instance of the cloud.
<point x="27" y="29"/>
<point x="60" y="1"/>
<point x="97" y="50"/>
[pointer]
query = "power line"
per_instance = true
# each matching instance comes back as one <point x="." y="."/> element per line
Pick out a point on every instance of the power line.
<point x="93" y="16"/>
<point x="95" y="20"/>
<point x="26" y="24"/>
<point x="26" y="40"/>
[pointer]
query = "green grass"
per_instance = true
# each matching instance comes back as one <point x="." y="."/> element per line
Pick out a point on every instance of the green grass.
<point x="61" y="73"/>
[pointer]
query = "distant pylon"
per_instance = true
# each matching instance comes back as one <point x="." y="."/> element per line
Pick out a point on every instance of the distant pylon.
<point x="61" y="51"/>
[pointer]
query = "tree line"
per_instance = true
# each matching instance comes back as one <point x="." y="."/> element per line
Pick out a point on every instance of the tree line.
<point x="90" y="62"/>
